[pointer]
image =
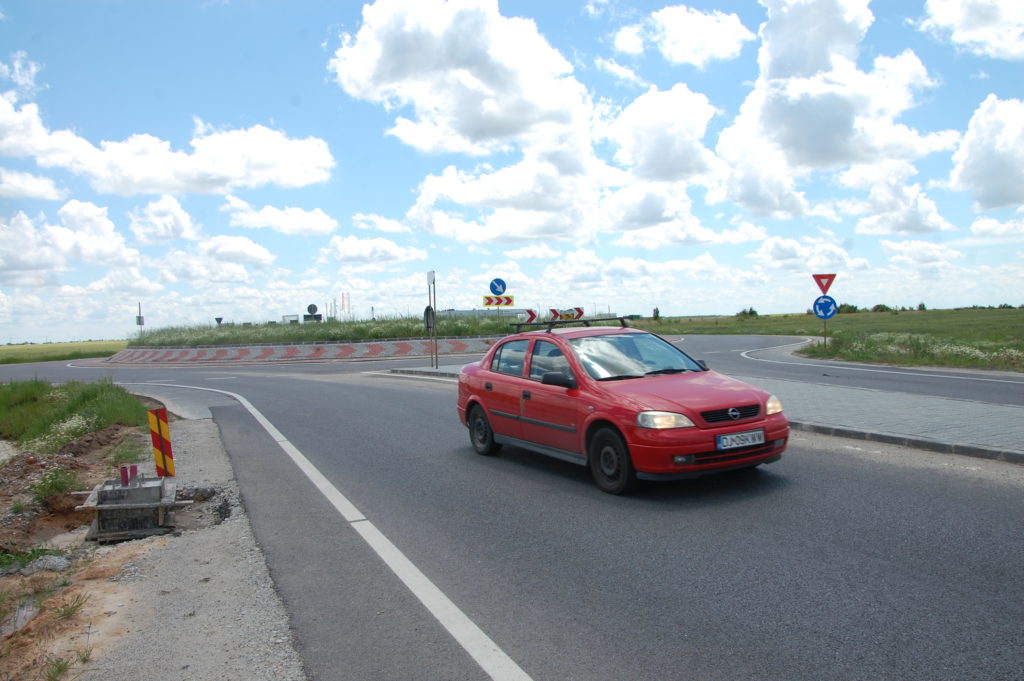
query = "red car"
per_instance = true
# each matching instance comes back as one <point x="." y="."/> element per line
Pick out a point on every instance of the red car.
<point x="625" y="402"/>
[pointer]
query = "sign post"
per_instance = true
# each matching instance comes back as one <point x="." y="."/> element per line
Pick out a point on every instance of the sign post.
<point x="825" y="306"/>
<point x="430" y="320"/>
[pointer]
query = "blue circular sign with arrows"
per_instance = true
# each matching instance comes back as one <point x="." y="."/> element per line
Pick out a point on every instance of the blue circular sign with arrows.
<point x="498" y="287"/>
<point x="825" y="307"/>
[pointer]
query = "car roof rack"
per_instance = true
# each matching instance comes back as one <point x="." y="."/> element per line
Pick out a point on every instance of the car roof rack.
<point x="565" y="322"/>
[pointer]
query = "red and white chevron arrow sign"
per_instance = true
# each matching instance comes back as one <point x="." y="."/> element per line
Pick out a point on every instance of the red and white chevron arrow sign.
<point x="498" y="301"/>
<point x="566" y="315"/>
<point x="531" y="316"/>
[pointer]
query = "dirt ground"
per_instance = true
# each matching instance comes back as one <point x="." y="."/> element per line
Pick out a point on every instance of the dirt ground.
<point x="54" y="620"/>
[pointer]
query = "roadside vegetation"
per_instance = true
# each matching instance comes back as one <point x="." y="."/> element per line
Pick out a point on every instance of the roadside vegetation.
<point x="47" y="352"/>
<point x="68" y="438"/>
<point x="969" y="337"/>
<point x="45" y="418"/>
<point x="330" y="330"/>
<point x="988" y="338"/>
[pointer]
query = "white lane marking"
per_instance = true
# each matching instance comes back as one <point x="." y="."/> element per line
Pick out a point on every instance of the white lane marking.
<point x="492" y="659"/>
<point x="840" y="367"/>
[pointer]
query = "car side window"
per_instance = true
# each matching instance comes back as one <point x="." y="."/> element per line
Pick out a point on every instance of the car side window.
<point x="547" y="357"/>
<point x="510" y="358"/>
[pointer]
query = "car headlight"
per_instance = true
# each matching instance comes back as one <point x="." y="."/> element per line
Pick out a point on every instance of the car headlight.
<point x="773" y="405"/>
<point x="662" y="419"/>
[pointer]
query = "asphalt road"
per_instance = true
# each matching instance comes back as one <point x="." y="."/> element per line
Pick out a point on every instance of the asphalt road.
<point x="772" y="358"/>
<point x="845" y="560"/>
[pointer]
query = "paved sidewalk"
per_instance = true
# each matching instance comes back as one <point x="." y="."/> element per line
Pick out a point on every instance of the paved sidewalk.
<point x="936" y="424"/>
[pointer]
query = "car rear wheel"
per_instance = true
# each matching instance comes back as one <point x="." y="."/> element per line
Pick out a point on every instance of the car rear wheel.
<point x="480" y="434"/>
<point x="610" y="463"/>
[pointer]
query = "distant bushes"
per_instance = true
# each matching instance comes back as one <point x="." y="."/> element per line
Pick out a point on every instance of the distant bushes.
<point x="847" y="308"/>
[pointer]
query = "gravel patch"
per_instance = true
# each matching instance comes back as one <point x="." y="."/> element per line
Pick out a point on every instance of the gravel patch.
<point x="200" y="605"/>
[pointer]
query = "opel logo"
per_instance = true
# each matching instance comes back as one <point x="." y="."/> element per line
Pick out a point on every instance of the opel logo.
<point x="734" y="413"/>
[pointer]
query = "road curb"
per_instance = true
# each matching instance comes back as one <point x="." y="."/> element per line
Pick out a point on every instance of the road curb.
<point x="915" y="442"/>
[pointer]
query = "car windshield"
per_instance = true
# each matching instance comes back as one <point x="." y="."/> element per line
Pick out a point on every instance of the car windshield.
<point x="630" y="355"/>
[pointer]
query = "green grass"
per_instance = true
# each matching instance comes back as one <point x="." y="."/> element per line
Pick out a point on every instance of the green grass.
<point x="22" y="559"/>
<point x="973" y="338"/>
<point x="48" y="352"/>
<point x="52" y="484"/>
<point x="127" y="451"/>
<point x="44" y="418"/>
<point x="389" y="327"/>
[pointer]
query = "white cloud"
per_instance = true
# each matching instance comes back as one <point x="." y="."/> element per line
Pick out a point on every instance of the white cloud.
<point x="87" y="234"/>
<point x="22" y="73"/>
<point x="353" y="249"/>
<point x="163" y="220"/>
<point x="630" y="39"/>
<point x="379" y="223"/>
<point x="892" y="206"/>
<point x="18" y="185"/>
<point x="236" y="249"/>
<point x="802" y="39"/>
<point x="990" y="160"/>
<point x="141" y="164"/>
<point x="683" y="35"/>
<point x="806" y="254"/>
<point x="200" y="270"/>
<point x="993" y="227"/>
<point x="623" y="73"/>
<point x="991" y="28"/>
<point x="659" y="134"/>
<point x="533" y="251"/>
<point x="475" y="80"/>
<point x="688" y="36"/>
<point x="122" y="281"/>
<point x="287" y="220"/>
<point x="28" y="256"/>
<point x="813" y="109"/>
<point x="920" y="253"/>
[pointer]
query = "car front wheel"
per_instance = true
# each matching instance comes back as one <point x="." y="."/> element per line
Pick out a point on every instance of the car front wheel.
<point x="610" y="463"/>
<point x="480" y="434"/>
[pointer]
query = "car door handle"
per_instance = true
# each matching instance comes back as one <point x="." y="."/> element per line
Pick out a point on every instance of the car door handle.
<point x="488" y="386"/>
<point x="526" y="394"/>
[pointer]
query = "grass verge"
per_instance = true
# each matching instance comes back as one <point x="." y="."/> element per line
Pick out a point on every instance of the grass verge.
<point x="44" y="418"/>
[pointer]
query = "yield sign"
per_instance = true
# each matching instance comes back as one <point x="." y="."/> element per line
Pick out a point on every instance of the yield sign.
<point x="824" y="281"/>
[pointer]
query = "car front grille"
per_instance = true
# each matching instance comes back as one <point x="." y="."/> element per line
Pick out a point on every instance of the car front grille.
<point x="748" y="411"/>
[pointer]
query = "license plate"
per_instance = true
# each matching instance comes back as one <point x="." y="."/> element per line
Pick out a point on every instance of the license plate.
<point x="744" y="439"/>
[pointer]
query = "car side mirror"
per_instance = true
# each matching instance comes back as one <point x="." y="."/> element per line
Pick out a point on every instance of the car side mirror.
<point x="703" y="364"/>
<point x="559" y="379"/>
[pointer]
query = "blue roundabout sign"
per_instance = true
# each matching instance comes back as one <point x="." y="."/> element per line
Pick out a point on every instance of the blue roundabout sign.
<point x="825" y="307"/>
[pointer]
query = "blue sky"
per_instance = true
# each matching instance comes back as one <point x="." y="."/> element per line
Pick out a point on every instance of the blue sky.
<point x="246" y="159"/>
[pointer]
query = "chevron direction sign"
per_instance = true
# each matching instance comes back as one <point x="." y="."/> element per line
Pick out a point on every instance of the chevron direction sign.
<point x="566" y="315"/>
<point x="531" y="316"/>
<point x="499" y="301"/>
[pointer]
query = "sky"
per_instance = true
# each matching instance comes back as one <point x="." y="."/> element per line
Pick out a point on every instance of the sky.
<point x="243" y="159"/>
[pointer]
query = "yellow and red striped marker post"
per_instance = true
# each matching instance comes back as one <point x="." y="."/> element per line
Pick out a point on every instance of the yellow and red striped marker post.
<point x="161" y="437"/>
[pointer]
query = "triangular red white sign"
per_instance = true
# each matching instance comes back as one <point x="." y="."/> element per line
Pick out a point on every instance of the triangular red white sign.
<point x="824" y="281"/>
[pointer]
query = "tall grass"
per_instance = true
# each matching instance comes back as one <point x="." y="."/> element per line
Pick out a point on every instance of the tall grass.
<point x="328" y="331"/>
<point x="46" y="352"/>
<point x="45" y="418"/>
